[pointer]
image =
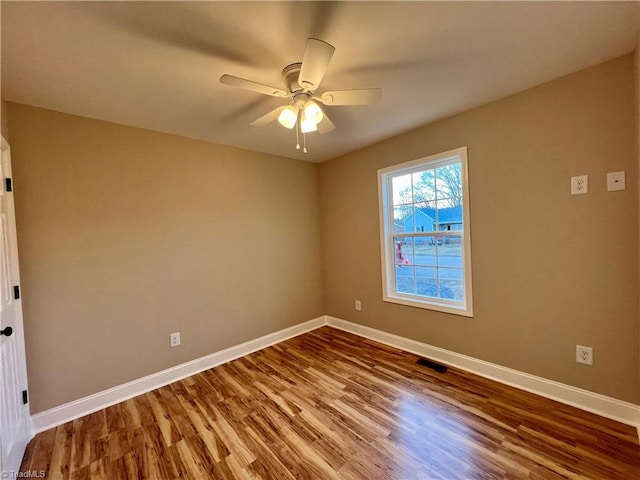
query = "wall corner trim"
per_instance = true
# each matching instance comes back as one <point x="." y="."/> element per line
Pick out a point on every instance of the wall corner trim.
<point x="84" y="406"/>
<point x="624" y="412"/>
<point x="608" y="407"/>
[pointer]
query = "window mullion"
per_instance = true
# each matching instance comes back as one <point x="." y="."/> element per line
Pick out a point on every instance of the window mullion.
<point x="444" y="233"/>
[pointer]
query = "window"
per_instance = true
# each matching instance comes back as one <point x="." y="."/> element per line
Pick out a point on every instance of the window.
<point x="424" y="233"/>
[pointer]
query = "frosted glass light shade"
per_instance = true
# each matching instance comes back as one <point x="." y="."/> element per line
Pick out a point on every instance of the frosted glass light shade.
<point x="308" y="125"/>
<point x="313" y="111"/>
<point x="288" y="117"/>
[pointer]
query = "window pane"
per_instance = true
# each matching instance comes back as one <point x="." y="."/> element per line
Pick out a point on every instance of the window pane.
<point x="451" y="284"/>
<point x="448" y="215"/>
<point x="423" y="218"/>
<point x="449" y="181"/>
<point x="403" y="251"/>
<point x="403" y="219"/>
<point x="401" y="187"/>
<point x="450" y="252"/>
<point x="405" y="279"/>
<point x="424" y="188"/>
<point x="426" y="282"/>
<point x="425" y="251"/>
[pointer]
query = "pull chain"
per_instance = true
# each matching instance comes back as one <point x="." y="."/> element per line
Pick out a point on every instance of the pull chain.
<point x="299" y="131"/>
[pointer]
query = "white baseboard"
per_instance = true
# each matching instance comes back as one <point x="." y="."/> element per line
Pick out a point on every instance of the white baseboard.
<point x="619" y="410"/>
<point x="84" y="406"/>
<point x="615" y="409"/>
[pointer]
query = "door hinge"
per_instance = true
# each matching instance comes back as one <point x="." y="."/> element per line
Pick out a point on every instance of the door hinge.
<point x="25" y="397"/>
<point x="16" y="292"/>
<point x="7" y="185"/>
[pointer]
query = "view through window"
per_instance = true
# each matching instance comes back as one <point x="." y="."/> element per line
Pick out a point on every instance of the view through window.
<point x="425" y="233"/>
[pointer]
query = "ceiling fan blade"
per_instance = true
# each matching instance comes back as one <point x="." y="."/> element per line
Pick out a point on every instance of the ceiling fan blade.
<point x="253" y="86"/>
<point x="367" y="96"/>
<point x="317" y="56"/>
<point x="268" y="118"/>
<point x="326" y="125"/>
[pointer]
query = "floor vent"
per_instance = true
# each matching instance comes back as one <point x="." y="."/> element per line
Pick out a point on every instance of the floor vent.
<point x="438" y="367"/>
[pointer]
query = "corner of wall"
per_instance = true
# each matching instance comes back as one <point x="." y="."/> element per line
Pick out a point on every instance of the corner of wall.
<point x="320" y="221"/>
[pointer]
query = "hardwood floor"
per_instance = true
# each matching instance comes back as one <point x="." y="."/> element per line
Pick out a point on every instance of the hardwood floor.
<point x="331" y="405"/>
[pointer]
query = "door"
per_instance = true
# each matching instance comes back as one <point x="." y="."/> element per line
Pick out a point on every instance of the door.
<point x="15" y="428"/>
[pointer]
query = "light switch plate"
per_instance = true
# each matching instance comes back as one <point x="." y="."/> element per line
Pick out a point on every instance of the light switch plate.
<point x="615" y="181"/>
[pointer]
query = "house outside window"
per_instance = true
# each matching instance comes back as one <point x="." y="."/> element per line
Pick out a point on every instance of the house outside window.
<point x="424" y="233"/>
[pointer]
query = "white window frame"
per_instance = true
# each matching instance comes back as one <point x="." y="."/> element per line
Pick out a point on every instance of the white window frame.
<point x="385" y="199"/>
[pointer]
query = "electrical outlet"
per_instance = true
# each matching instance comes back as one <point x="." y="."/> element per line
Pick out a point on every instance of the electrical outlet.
<point x="579" y="185"/>
<point x="174" y="339"/>
<point x="584" y="355"/>
<point x="358" y="305"/>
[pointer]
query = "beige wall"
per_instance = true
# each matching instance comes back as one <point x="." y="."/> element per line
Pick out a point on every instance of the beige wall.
<point x="637" y="78"/>
<point x="551" y="270"/>
<point x="4" y="120"/>
<point x="126" y="235"/>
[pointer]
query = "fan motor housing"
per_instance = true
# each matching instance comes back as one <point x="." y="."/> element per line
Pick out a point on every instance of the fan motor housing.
<point x="290" y="75"/>
<point x="299" y="99"/>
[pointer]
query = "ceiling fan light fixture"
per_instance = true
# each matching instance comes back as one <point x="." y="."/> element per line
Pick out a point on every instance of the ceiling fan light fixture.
<point x="313" y="111"/>
<point x="288" y="117"/>
<point x="301" y="81"/>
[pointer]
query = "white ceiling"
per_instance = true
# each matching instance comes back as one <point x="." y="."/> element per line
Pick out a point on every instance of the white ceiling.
<point x="156" y="65"/>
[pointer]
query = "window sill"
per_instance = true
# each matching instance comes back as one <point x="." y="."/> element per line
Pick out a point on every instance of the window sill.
<point x="430" y="305"/>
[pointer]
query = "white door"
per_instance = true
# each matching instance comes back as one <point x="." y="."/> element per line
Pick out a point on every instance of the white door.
<point x="15" y="428"/>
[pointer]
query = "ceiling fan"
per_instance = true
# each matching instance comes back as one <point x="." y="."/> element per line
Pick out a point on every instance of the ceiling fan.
<point x="301" y="81"/>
